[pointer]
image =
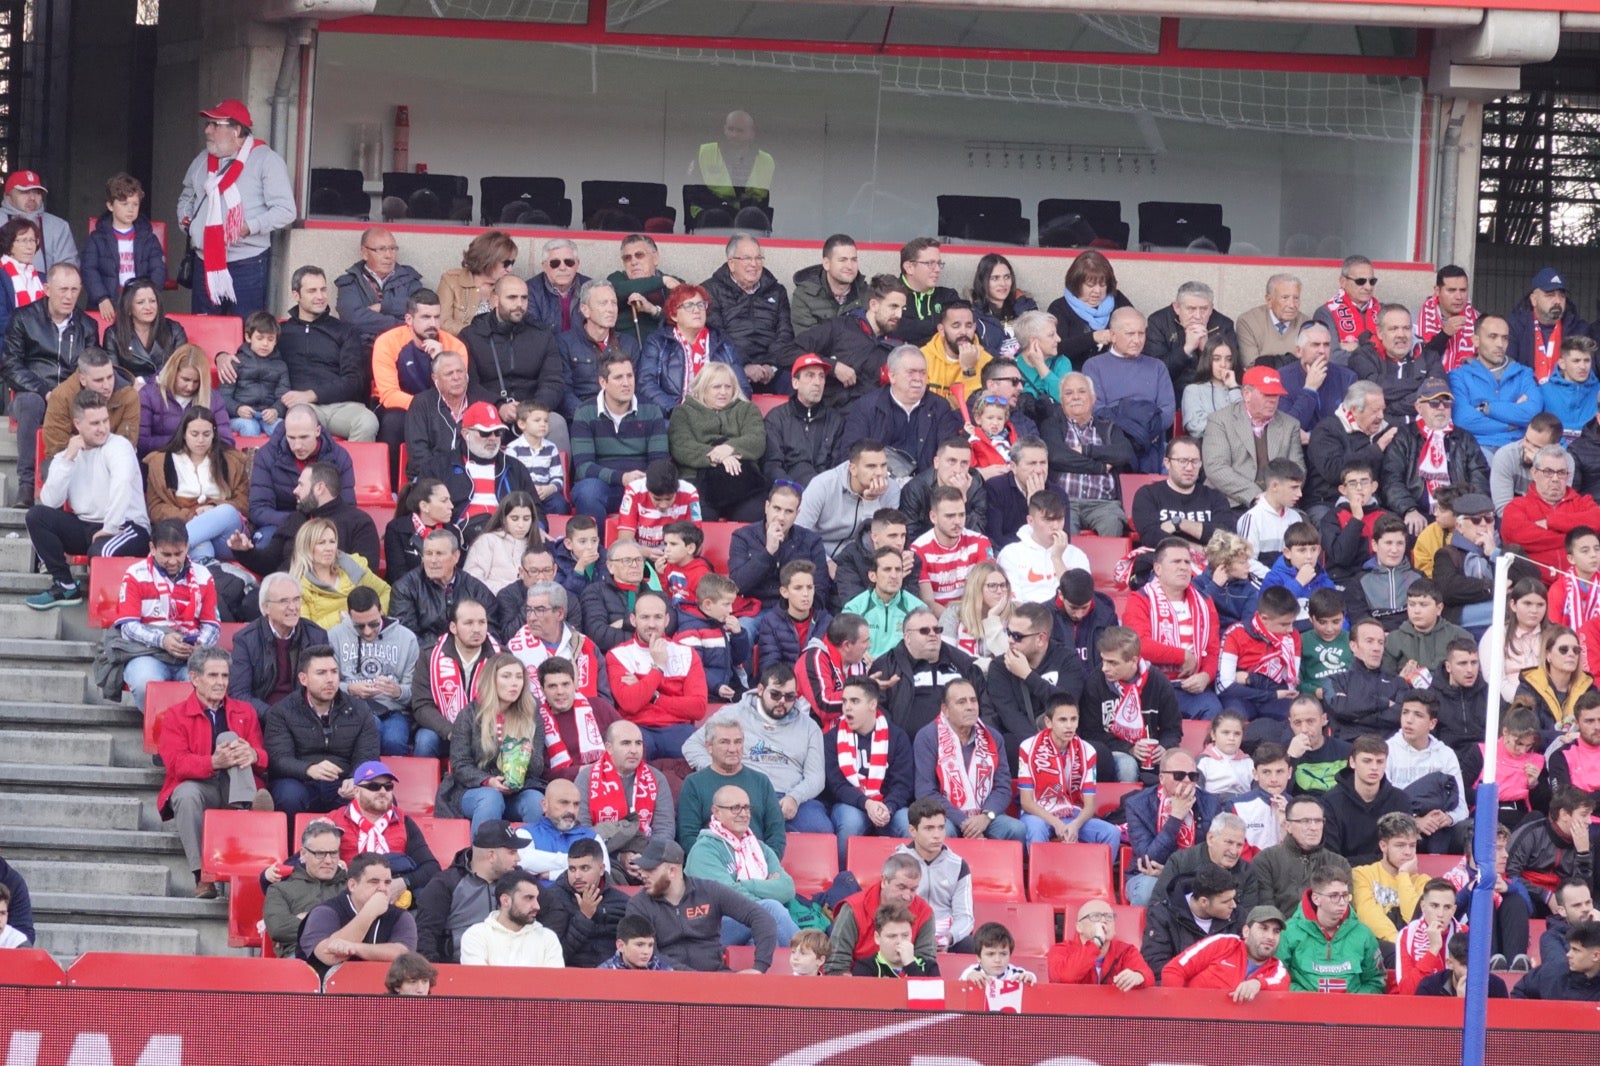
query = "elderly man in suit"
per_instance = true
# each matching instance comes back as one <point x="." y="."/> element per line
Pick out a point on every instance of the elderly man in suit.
<point x="1242" y="438"/>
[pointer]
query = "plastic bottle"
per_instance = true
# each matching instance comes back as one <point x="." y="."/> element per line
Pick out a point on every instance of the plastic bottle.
<point x="402" y="138"/>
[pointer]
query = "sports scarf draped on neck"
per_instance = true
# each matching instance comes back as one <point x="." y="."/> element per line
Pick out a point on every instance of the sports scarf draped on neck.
<point x="1283" y="665"/>
<point x="1350" y="322"/>
<point x="1185" y="830"/>
<point x="590" y="743"/>
<point x="749" y="861"/>
<point x="966" y="784"/>
<point x="1096" y="318"/>
<point x="224" y="220"/>
<point x="450" y="691"/>
<point x="1058" y="774"/>
<point x="1462" y="346"/>
<point x="26" y="285"/>
<point x="369" y="834"/>
<point x="606" y="802"/>
<point x="848" y="749"/>
<point x="1127" y="718"/>
<point x="1434" y="462"/>
<point x="1164" y="620"/>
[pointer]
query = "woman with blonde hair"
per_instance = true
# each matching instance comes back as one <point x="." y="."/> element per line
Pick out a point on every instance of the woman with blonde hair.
<point x="976" y="623"/>
<point x="327" y="575"/>
<point x="497" y="749"/>
<point x="717" y="438"/>
<point x="1557" y="682"/>
<point x="466" y="291"/>
<point x="185" y="379"/>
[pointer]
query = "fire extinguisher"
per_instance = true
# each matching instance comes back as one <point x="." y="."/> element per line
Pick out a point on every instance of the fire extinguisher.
<point x="402" y="138"/>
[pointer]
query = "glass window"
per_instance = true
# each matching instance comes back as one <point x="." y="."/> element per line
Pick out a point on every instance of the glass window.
<point x="558" y="11"/>
<point x="1297" y="38"/>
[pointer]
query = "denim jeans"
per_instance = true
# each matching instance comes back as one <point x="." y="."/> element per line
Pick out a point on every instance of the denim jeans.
<point x="485" y="804"/>
<point x="1092" y="831"/>
<point x="429" y="745"/>
<point x="851" y="821"/>
<point x="292" y="796"/>
<point x="735" y="933"/>
<point x="249" y="287"/>
<point x="595" y="498"/>
<point x="665" y="741"/>
<point x="249" y="427"/>
<point x="209" y="532"/>
<point x="1202" y="706"/>
<point x="147" y="668"/>
<point x="810" y="817"/>
<point x="394" y="733"/>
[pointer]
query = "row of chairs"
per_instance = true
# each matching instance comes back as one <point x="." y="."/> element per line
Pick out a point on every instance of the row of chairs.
<point x="1075" y="223"/>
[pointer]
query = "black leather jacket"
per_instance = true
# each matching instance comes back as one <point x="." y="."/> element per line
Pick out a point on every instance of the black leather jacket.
<point x="38" y="357"/>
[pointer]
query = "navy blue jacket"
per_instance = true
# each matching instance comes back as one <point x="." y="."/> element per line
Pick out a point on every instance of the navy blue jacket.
<point x="721" y="654"/>
<point x="580" y="364"/>
<point x="255" y="665"/>
<point x="1158" y="842"/>
<point x="275" y="471"/>
<point x="898" y="781"/>
<point x="357" y="294"/>
<point x="776" y="639"/>
<point x="544" y="305"/>
<point x="101" y="263"/>
<point x="1520" y="320"/>
<point x="662" y="362"/>
<point x="876" y="416"/>
<point x="756" y="572"/>
<point x="21" y="916"/>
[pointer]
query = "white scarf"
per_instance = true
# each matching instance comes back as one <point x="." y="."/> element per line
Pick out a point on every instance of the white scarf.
<point x="966" y="783"/>
<point x="1434" y="464"/>
<point x="849" y="753"/>
<point x="369" y="834"/>
<point x="26" y="285"/>
<point x="749" y="861"/>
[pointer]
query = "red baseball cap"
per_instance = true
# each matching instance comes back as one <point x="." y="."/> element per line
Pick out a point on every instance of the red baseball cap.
<point x="482" y="417"/>
<point x="1264" y="379"/>
<point x="809" y="361"/>
<point x="232" y="110"/>
<point x="25" y="179"/>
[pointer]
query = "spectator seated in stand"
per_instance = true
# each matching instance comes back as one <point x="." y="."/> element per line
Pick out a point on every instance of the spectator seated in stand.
<point x="297" y="441"/>
<point x="315" y="737"/>
<point x="362" y="924"/>
<point x="727" y="852"/>
<point x="946" y="882"/>
<point x="96" y="373"/>
<point x="166" y="608"/>
<point x="963" y="763"/>
<point x="318" y="493"/>
<point x="266" y="652"/>
<point x="462" y="894"/>
<point x="314" y="875"/>
<point x="425" y="598"/>
<point x="497" y="749"/>
<point x="373" y="821"/>
<point x="583" y="908"/>
<point x="688" y="913"/>
<point x="554" y="834"/>
<point x="620" y="791"/>
<point x="1094" y="955"/>
<point x="658" y="683"/>
<point x="377" y="662"/>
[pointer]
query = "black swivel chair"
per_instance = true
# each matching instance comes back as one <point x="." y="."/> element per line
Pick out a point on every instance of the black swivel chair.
<point x="539" y="195"/>
<point x="1081" y="223"/>
<point x="1168" y="224"/>
<point x="624" y="205"/>
<point x="336" y="191"/>
<point x="718" y="213"/>
<point x="430" y="197"/>
<point x="994" y="219"/>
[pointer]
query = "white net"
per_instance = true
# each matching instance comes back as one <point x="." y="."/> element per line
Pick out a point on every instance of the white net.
<point x="560" y="11"/>
<point x="1355" y="107"/>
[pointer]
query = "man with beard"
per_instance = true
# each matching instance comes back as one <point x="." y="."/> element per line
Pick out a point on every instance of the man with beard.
<point x="1447" y="321"/>
<point x="1496" y="398"/>
<point x="1540" y="322"/>
<point x="954" y="356"/>
<point x="857" y="342"/>
<point x="481" y="474"/>
<point x="372" y="821"/>
<point x="687" y="912"/>
<point x="512" y="935"/>
<point x="803" y="433"/>
<point x="433" y="423"/>
<point x="1243" y="966"/>
<point x="402" y="365"/>
<point x="317" y="494"/>
<point x="593" y="337"/>
<point x="555" y="833"/>
<point x="447" y="674"/>
<point x="512" y="357"/>
<point x="621" y="785"/>
<point x="1180" y="506"/>
<point x="462" y="894"/>
<point x="583" y="908"/>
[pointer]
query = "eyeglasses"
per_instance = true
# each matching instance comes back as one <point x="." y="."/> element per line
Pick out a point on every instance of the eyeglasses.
<point x="633" y="257"/>
<point x="1005" y="381"/>
<point x="556" y="263"/>
<point x="377" y="786"/>
<point x="1362" y="281"/>
<point x="736" y="808"/>
<point x="782" y="697"/>
<point x="1560" y="472"/>
<point x="929" y="263"/>
<point x="1017" y="638"/>
<point x="381" y="249"/>
<point x="1183" y="775"/>
<point x="927" y="631"/>
<point x="312" y="853"/>
<point x="1304" y="821"/>
<point x="692" y="305"/>
<point x="1183" y="461"/>
<point x="1097" y="917"/>
<point x="626" y="560"/>
<point x="747" y="259"/>
<point x="219" y="123"/>
<point x="1334" y="897"/>
<point x="538" y="571"/>
<point x="541" y="610"/>
<point x="1439" y="405"/>
<point x="508" y="263"/>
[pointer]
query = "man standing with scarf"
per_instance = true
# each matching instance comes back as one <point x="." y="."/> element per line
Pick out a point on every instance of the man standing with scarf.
<point x="959" y="760"/>
<point x="1447" y="321"/>
<point x="236" y="194"/>
<point x="1178" y="629"/>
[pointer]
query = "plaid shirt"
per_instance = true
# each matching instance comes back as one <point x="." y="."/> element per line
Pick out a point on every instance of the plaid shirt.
<point x="544" y="465"/>
<point x="1086" y="486"/>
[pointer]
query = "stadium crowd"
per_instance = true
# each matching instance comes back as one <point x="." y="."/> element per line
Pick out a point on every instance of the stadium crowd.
<point x="918" y="621"/>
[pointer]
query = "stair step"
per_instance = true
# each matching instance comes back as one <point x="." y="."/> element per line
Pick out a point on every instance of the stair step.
<point x="47" y="844"/>
<point x="16" y="553"/>
<point x="14" y="588"/>
<point x="13" y="518"/>
<point x="17" y="620"/>
<point x="79" y="779"/>
<point x="39" y="748"/>
<point x="67" y="811"/>
<point x="49" y="651"/>
<point x="47" y="685"/>
<point x="53" y="717"/>
<point x="46" y="877"/>
<point x="68" y="940"/>
<point x="118" y="909"/>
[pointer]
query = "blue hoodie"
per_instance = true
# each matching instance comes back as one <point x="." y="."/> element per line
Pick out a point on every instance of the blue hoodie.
<point x="1573" y="403"/>
<point x="1282" y="573"/>
<point x="1511" y="401"/>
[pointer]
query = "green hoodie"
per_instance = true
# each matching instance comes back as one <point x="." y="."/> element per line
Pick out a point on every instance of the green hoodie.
<point x="1346" y="962"/>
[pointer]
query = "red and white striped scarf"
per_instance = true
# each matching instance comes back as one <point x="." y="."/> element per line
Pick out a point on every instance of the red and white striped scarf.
<point x="449" y="691"/>
<point x="590" y="743"/>
<point x="224" y="220"/>
<point x="1164" y="620"/>
<point x="848" y="749"/>
<point x="965" y="783"/>
<point x="606" y="802"/>
<point x="1164" y="811"/>
<point x="696" y="354"/>
<point x="1283" y="665"/>
<point x="1127" y="718"/>
<point x="1350" y="322"/>
<point x="1058" y="774"/>
<point x="26" y="283"/>
<point x="1434" y="462"/>
<point x="370" y="834"/>
<point x="1546" y="353"/>
<point x="749" y="861"/>
<point x="1462" y="346"/>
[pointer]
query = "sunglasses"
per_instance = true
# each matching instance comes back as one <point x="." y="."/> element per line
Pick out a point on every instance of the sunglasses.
<point x="998" y="401"/>
<point x="508" y="263"/>
<point x="1016" y="638"/>
<point x="367" y="625"/>
<point x="782" y="697"/>
<point x="1363" y="281"/>
<point x="631" y="257"/>
<point x="927" y="631"/>
<point x="1183" y="775"/>
<point x="554" y="263"/>
<point x="1439" y="405"/>
<point x="378" y="786"/>
<point x="1565" y="649"/>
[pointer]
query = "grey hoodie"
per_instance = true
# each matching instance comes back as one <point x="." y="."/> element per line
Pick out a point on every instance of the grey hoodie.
<point x="947" y="886"/>
<point x="59" y="247"/>
<point x="787" y="751"/>
<point x="393" y="654"/>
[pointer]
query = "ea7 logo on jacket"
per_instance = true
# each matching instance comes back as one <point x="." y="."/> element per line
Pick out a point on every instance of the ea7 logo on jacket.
<point x="701" y="911"/>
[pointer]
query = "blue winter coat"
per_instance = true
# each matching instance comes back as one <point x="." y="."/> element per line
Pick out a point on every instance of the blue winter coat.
<point x="1520" y="321"/>
<point x="1506" y="417"/>
<point x="102" y="265"/>
<point x="661" y="367"/>
<point x="1572" y="402"/>
<point x="776" y="639"/>
<point x="275" y="471"/>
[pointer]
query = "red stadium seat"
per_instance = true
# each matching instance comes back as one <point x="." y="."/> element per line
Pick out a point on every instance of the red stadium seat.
<point x="608" y="535"/>
<point x="381" y="514"/>
<point x="1130" y="484"/>
<point x="105" y="588"/>
<point x="197" y="973"/>
<point x="1130" y="924"/>
<point x="445" y="836"/>
<point x="229" y="630"/>
<point x="405" y="479"/>
<point x="1032" y="925"/>
<point x="864" y="857"/>
<point x="301" y="820"/>
<point x="743" y="957"/>
<point x="812" y="859"/>
<point x="241" y="842"/>
<point x="34" y="967"/>
<point x="159" y="698"/>
<point x="556" y="524"/>
<point x="1110" y="794"/>
<point x="1194" y="736"/>
<point x="719" y="540"/>
<point x="1436" y="865"/>
<point x="996" y="867"/>
<point x="768" y="403"/>
<point x="214" y="333"/>
<point x="1104" y="553"/>
<point x="1038" y="965"/>
<point x="369" y="461"/>
<point x="416" y="783"/>
<point x="245" y="902"/>
<point x="1059" y="873"/>
<point x="242" y="442"/>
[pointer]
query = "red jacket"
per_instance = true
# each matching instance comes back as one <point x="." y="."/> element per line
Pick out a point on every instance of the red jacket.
<point x="1546" y="545"/>
<point x="1138" y="616"/>
<point x="821" y="675"/>
<point x="1220" y="962"/>
<point x="186" y="746"/>
<point x="656" y="698"/>
<point x="865" y="903"/>
<point x="1072" y="962"/>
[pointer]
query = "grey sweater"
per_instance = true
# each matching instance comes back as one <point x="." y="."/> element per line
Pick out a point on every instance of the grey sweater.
<point x="830" y="510"/>
<point x="664" y="826"/>
<point x="947" y="886"/>
<point x="393" y="655"/>
<point x="265" y="193"/>
<point x="788" y="751"/>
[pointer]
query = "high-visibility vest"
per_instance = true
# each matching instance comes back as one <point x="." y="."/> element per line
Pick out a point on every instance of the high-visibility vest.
<point x="714" y="174"/>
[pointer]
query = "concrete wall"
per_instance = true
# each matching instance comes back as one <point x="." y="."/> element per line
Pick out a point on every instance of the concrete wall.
<point x="1148" y="280"/>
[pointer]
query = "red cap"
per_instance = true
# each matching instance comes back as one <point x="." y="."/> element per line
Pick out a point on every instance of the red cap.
<point x="809" y="361"/>
<point x="1265" y="380"/>
<point x="232" y="110"/>
<point x="482" y="417"/>
<point x="25" y="179"/>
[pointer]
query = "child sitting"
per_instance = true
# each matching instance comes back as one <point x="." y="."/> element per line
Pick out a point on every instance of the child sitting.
<point x="897" y="949"/>
<point x="1347" y="529"/>
<point x="1575" y="597"/>
<point x="1523" y="785"/>
<point x="263" y="378"/>
<point x="1298" y="568"/>
<point x="681" y="566"/>
<point x="1436" y="534"/>
<point x="1325" y="648"/>
<point x="1265" y="523"/>
<point x="539" y="455"/>
<point x="995" y="945"/>
<point x="1225" y="770"/>
<point x="636" y="946"/>
<point x="578" y="554"/>
<point x="497" y="552"/>
<point x="1415" y="651"/>
<point x="1380" y="590"/>
<point x="709" y="626"/>
<point x="808" y="950"/>
<point x="784" y="630"/>
<point x="1229" y="581"/>
<point x="1258" y="672"/>
<point x="649" y="506"/>
<point x="1057" y="771"/>
<point x="990" y="431"/>
<point x="1265" y="806"/>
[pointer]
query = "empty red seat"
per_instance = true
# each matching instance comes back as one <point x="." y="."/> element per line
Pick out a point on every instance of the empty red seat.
<point x="1110" y="794"/>
<point x="445" y="836"/>
<point x="159" y="698"/>
<point x="214" y="333"/>
<point x="241" y="842"/>
<point x="556" y="524"/>
<point x="996" y="867"/>
<point x="105" y="589"/>
<point x="719" y="540"/>
<point x="197" y="973"/>
<point x="369" y="462"/>
<point x="1032" y="925"/>
<point x="1062" y="873"/>
<point x="743" y="957"/>
<point x="416" y="782"/>
<point x="1130" y="924"/>
<point x="1194" y="736"/>
<point x="768" y="403"/>
<point x="863" y="856"/>
<point x="381" y="514"/>
<point x="245" y="903"/>
<point x="228" y="630"/>
<point x="812" y="859"/>
<point x="1437" y="865"/>
<point x="1104" y="553"/>
<point x="608" y="536"/>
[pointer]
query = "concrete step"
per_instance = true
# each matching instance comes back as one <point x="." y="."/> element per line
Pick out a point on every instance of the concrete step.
<point x="14" y="588"/>
<point x="13" y="518"/>
<point x="43" y="876"/>
<point x="71" y="812"/>
<point x="68" y="940"/>
<point x="120" y="722"/>
<point x="15" y="551"/>
<point x="204" y="919"/>
<point x="51" y="844"/>
<point x="47" y="652"/>
<point x="80" y="780"/>
<point x="47" y="685"/>
<point x="17" y="620"/>
<point x="54" y="749"/>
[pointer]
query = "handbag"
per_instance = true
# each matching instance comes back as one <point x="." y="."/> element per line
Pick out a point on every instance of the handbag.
<point x="185" y="276"/>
